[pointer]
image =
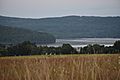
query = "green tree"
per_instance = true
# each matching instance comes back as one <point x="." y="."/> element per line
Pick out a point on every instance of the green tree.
<point x="25" y="48"/>
<point x="117" y="45"/>
<point x="68" y="49"/>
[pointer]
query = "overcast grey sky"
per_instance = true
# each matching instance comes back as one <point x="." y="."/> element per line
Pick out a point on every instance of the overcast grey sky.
<point x="49" y="8"/>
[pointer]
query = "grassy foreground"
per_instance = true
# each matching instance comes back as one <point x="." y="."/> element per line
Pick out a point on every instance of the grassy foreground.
<point x="65" y="67"/>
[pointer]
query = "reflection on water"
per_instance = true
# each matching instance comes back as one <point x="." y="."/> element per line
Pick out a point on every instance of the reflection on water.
<point x="81" y="42"/>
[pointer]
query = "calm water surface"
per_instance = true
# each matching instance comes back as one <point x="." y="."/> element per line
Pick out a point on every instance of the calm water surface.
<point x="81" y="42"/>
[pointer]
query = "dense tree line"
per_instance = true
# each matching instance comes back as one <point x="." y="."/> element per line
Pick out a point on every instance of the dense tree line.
<point x="101" y="49"/>
<point x="28" y="48"/>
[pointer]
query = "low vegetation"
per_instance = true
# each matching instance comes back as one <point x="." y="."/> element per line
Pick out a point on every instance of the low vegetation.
<point x="64" y="67"/>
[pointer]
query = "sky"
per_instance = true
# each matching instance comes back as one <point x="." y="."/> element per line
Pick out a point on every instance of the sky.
<point x="55" y="8"/>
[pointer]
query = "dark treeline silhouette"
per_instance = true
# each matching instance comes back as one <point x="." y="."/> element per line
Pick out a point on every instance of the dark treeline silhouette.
<point x="28" y="48"/>
<point x="99" y="49"/>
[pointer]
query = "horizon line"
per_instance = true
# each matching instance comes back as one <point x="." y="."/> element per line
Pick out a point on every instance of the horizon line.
<point x="61" y="16"/>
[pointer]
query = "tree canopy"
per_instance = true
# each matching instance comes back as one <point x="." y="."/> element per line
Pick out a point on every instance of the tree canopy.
<point x="28" y="48"/>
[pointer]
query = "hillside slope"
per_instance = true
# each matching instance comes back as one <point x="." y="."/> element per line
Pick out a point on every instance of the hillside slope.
<point x="17" y="35"/>
<point x="69" y="26"/>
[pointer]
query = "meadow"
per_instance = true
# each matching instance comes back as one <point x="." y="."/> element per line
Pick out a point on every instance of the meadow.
<point x="61" y="67"/>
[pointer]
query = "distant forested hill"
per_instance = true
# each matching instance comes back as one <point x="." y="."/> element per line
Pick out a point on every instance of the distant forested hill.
<point x="18" y="35"/>
<point x="69" y="26"/>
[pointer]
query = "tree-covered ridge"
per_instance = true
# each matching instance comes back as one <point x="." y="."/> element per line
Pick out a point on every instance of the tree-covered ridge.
<point x="69" y="26"/>
<point x="12" y="35"/>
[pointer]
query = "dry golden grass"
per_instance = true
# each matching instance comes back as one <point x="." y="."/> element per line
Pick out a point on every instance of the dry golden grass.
<point x="65" y="67"/>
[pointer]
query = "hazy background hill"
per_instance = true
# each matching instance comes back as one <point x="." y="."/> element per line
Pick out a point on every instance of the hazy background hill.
<point x="17" y="35"/>
<point x="69" y="26"/>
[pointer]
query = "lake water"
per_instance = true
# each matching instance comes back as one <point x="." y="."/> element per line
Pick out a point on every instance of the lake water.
<point x="81" y="42"/>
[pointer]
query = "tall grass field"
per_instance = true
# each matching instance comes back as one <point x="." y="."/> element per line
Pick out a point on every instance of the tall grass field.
<point x="61" y="67"/>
